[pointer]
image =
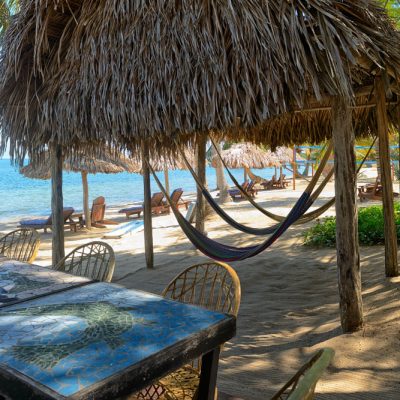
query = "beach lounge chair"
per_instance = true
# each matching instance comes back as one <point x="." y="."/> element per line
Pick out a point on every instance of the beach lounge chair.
<point x="266" y="184"/>
<point x="302" y="385"/>
<point x="21" y="245"/>
<point x="46" y="223"/>
<point x="372" y="191"/>
<point x="176" y="198"/>
<point x="249" y="187"/>
<point x="236" y="193"/>
<point x="157" y="207"/>
<point x="97" y="214"/>
<point x="94" y="260"/>
<point x="212" y="285"/>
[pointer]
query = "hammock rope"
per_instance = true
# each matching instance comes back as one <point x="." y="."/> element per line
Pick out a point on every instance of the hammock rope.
<point x="307" y="217"/>
<point x="223" y="252"/>
<point x="244" y="228"/>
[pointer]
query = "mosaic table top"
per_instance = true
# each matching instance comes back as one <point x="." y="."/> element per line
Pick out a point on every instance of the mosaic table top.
<point x="73" y="340"/>
<point x="21" y="281"/>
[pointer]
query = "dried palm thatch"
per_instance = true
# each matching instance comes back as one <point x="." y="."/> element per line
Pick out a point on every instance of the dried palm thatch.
<point x="77" y="72"/>
<point x="106" y="164"/>
<point x="165" y="161"/>
<point x="248" y="155"/>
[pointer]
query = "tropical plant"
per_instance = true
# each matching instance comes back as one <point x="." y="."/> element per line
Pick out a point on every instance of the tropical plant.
<point x="370" y="228"/>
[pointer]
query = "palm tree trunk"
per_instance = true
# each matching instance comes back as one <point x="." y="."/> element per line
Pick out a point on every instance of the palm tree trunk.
<point x="86" y="209"/>
<point x="222" y="184"/>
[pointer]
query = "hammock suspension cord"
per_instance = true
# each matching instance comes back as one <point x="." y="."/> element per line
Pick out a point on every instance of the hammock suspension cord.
<point x="244" y="228"/>
<point x="307" y="216"/>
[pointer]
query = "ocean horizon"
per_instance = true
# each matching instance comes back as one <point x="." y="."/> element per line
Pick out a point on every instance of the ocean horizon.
<point x="24" y="197"/>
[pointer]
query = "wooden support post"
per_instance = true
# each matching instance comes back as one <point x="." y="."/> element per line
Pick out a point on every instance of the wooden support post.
<point x="294" y="168"/>
<point x="244" y="174"/>
<point x="166" y="179"/>
<point x="201" y="172"/>
<point x="148" y="229"/>
<point x="390" y="234"/>
<point x="86" y="209"/>
<point x="348" y="258"/>
<point x="208" y="375"/>
<point x="57" y="215"/>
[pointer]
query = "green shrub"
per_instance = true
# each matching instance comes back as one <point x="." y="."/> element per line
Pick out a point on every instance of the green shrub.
<point x="370" y="228"/>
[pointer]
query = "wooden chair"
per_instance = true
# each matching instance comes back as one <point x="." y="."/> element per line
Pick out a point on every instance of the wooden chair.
<point x="157" y="207"/>
<point x="214" y="286"/>
<point x="94" y="260"/>
<point x="302" y="385"/>
<point x="21" y="244"/>
<point x="46" y="223"/>
<point x="236" y="193"/>
<point x="176" y="198"/>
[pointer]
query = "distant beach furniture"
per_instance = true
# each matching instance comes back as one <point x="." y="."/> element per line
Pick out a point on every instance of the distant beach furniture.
<point x="94" y="260"/>
<point x="97" y="214"/>
<point x="191" y="212"/>
<point x="128" y="227"/>
<point x="247" y="186"/>
<point x="157" y="207"/>
<point x="176" y="198"/>
<point x="21" y="245"/>
<point x="46" y="223"/>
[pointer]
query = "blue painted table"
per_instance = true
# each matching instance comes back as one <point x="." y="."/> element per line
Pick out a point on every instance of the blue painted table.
<point x="100" y="340"/>
<point x="20" y="281"/>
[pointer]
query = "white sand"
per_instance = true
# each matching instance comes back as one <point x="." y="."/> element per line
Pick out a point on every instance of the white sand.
<point x="289" y="303"/>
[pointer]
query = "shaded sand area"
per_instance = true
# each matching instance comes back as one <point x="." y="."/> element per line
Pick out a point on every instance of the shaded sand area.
<point x="289" y="304"/>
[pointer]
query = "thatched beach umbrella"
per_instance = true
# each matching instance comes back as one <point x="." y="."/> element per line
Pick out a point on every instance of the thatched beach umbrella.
<point x="85" y="165"/>
<point x="154" y="74"/>
<point x="165" y="162"/>
<point x="247" y="155"/>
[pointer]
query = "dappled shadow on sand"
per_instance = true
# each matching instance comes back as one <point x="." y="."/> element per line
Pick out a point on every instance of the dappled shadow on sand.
<point x="289" y="309"/>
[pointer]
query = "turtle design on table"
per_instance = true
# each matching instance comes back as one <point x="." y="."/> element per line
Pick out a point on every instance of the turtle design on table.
<point x="11" y="284"/>
<point x="105" y="322"/>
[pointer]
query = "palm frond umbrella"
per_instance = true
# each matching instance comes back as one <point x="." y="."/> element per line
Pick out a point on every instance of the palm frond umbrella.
<point x="165" y="162"/>
<point x="106" y="164"/>
<point x="247" y="155"/>
<point x="161" y="73"/>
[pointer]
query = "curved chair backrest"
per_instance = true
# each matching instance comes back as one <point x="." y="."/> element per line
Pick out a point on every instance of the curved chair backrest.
<point x="302" y="385"/>
<point x="212" y="285"/>
<point x="94" y="260"/>
<point x="21" y="244"/>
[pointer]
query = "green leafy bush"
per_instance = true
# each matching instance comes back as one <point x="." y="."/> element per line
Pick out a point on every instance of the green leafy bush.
<point x="370" y="228"/>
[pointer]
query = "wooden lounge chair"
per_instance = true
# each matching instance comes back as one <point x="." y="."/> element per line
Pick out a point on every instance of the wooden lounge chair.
<point x="236" y="193"/>
<point x="21" y="245"/>
<point x="266" y="184"/>
<point x="94" y="260"/>
<point x="372" y="191"/>
<point x="302" y="385"/>
<point x="214" y="286"/>
<point x="176" y="198"/>
<point x="249" y="187"/>
<point x="46" y="223"/>
<point x="157" y="207"/>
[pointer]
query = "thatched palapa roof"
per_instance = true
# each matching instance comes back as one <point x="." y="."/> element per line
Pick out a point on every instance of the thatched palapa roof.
<point x="105" y="164"/>
<point x="241" y="155"/>
<point x="80" y="71"/>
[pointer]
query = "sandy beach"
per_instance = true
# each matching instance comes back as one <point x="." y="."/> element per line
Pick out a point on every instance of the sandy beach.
<point x="289" y="305"/>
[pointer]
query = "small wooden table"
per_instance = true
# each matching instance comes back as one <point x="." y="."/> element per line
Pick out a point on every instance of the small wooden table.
<point x="101" y="341"/>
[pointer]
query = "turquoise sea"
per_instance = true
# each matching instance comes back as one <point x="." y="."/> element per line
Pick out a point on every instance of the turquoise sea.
<point x="24" y="197"/>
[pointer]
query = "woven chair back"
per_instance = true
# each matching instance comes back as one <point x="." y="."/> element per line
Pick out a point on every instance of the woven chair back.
<point x="94" y="260"/>
<point x="21" y="244"/>
<point x="212" y="285"/>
